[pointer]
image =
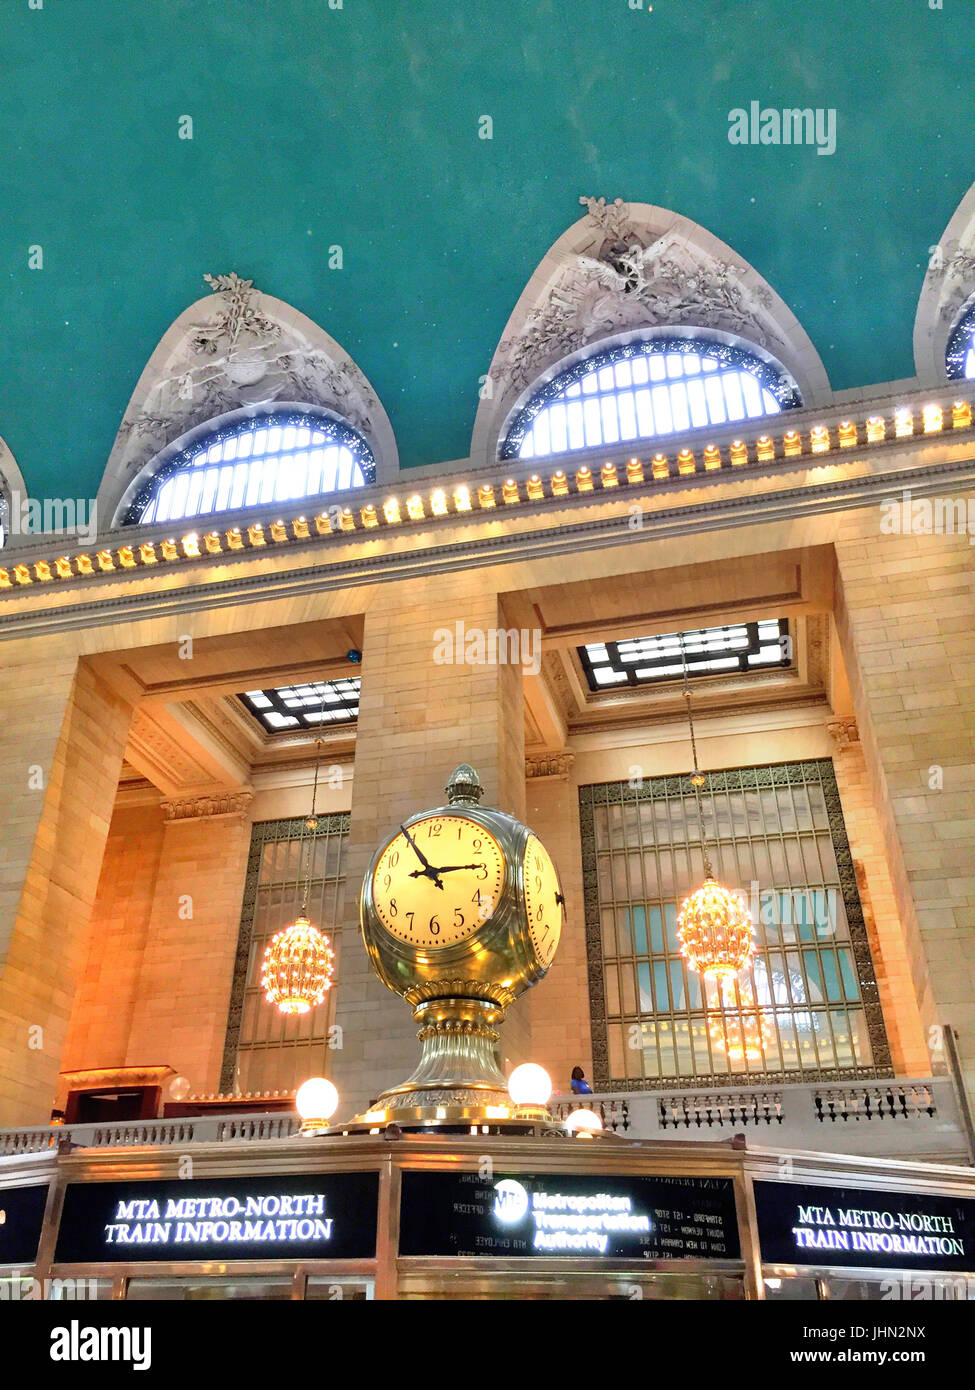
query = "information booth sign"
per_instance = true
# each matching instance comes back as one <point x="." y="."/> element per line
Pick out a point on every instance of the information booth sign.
<point x="309" y="1216"/>
<point x="21" y="1219"/>
<point x="861" y="1228"/>
<point x="620" y="1218"/>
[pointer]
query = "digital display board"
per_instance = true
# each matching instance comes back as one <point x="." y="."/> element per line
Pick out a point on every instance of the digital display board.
<point x="21" y="1219"/>
<point x="619" y="1218"/>
<point x="805" y="1224"/>
<point x="304" y="1215"/>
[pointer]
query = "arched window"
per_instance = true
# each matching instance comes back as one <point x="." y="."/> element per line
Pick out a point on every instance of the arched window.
<point x="647" y="388"/>
<point x="960" y="354"/>
<point x="278" y="456"/>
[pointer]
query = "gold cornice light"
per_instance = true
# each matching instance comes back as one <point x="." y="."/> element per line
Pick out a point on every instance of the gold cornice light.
<point x="468" y="498"/>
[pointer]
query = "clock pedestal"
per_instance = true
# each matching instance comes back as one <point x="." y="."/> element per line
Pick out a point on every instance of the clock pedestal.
<point x="457" y="1070"/>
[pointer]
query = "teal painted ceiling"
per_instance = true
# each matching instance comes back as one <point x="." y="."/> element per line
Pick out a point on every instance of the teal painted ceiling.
<point x="359" y="126"/>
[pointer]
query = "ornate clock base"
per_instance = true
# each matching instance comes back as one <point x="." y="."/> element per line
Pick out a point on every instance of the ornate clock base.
<point x="457" y="1081"/>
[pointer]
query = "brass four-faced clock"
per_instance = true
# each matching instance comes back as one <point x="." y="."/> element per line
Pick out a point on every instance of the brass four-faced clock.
<point x="438" y="881"/>
<point x="461" y="911"/>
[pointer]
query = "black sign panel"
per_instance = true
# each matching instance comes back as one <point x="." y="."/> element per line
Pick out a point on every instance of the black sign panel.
<point x="862" y="1228"/>
<point x="629" y="1218"/>
<point x="21" y="1219"/>
<point x="305" y="1215"/>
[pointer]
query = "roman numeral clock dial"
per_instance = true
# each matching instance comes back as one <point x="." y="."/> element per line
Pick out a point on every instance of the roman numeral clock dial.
<point x="438" y="881"/>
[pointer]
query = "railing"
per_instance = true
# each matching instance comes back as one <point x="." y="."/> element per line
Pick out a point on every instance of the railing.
<point x="613" y="1110"/>
<point x="906" y="1119"/>
<point x="910" y="1118"/>
<point x="208" y="1129"/>
<point x="898" y="1100"/>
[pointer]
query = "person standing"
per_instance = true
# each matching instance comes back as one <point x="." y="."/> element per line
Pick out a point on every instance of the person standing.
<point x="580" y="1086"/>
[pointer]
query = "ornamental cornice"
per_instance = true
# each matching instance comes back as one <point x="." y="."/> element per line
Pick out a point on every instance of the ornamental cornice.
<point x="574" y="531"/>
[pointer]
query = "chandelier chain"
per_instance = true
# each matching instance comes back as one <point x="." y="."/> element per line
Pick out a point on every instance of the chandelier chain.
<point x="696" y="777"/>
<point x="312" y="821"/>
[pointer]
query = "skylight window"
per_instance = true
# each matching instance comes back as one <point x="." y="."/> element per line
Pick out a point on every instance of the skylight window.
<point x="645" y="389"/>
<point x="261" y="460"/>
<point x="708" y="651"/>
<point x="315" y="705"/>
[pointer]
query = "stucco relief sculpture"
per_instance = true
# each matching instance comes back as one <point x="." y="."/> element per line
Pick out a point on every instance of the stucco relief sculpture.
<point x="239" y="355"/>
<point x="630" y="277"/>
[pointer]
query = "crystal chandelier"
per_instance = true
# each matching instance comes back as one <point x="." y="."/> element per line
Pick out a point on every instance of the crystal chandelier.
<point x="299" y="962"/>
<point x="714" y="926"/>
<point x="744" y="1036"/>
<point x="298" y="967"/>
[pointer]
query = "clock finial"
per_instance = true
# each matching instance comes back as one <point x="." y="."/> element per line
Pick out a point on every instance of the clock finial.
<point x="464" y="787"/>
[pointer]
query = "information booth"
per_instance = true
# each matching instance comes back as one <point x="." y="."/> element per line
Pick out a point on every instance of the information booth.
<point x="480" y="1216"/>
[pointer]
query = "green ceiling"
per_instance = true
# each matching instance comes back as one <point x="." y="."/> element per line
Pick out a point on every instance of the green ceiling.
<point x="358" y="126"/>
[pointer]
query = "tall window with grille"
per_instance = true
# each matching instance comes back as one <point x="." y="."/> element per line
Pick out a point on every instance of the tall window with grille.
<point x="807" y="1009"/>
<point x="266" y="1050"/>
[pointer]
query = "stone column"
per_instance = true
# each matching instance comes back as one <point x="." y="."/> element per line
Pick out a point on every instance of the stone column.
<point x="881" y="912"/>
<point x="906" y="620"/>
<point x="62" y="740"/>
<point x="418" y="718"/>
<point x="183" y="992"/>
<point x="101" y="1018"/>
<point x="560" y="1011"/>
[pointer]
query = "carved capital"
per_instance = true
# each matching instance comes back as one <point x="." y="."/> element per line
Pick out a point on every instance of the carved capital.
<point x="844" y="733"/>
<point x="200" y="807"/>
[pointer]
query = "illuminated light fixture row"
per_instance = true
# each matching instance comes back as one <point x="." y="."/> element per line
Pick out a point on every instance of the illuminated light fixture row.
<point x="465" y="498"/>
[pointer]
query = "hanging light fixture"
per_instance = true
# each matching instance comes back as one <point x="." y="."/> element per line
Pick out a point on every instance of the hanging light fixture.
<point x="742" y="1034"/>
<point x="299" y="962"/>
<point x="714" y="926"/>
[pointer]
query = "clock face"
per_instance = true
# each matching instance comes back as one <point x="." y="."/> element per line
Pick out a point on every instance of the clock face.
<point x="438" y="881"/>
<point x="543" y="901"/>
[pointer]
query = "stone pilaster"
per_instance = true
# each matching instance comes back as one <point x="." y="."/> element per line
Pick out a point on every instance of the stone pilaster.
<point x="419" y="718"/>
<point x="183" y="991"/>
<point x="62" y="741"/>
<point x="906" y="620"/>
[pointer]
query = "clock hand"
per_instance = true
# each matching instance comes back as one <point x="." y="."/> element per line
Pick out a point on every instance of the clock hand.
<point x="416" y="848"/>
<point x="452" y="868"/>
<point x="427" y="871"/>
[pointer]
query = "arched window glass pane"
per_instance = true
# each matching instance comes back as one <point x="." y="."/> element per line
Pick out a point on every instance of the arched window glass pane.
<point x="960" y="356"/>
<point x="257" y="461"/>
<point x="644" y="389"/>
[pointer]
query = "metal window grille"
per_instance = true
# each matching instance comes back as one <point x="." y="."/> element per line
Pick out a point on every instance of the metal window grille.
<point x="645" y="389"/>
<point x="310" y="706"/>
<point x="960" y="353"/>
<point x="262" y="460"/>
<point x="776" y="834"/>
<point x="266" y="1050"/>
<point x="707" y="651"/>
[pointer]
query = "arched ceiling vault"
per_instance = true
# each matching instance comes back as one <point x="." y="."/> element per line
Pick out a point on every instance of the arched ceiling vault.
<point x="395" y="171"/>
